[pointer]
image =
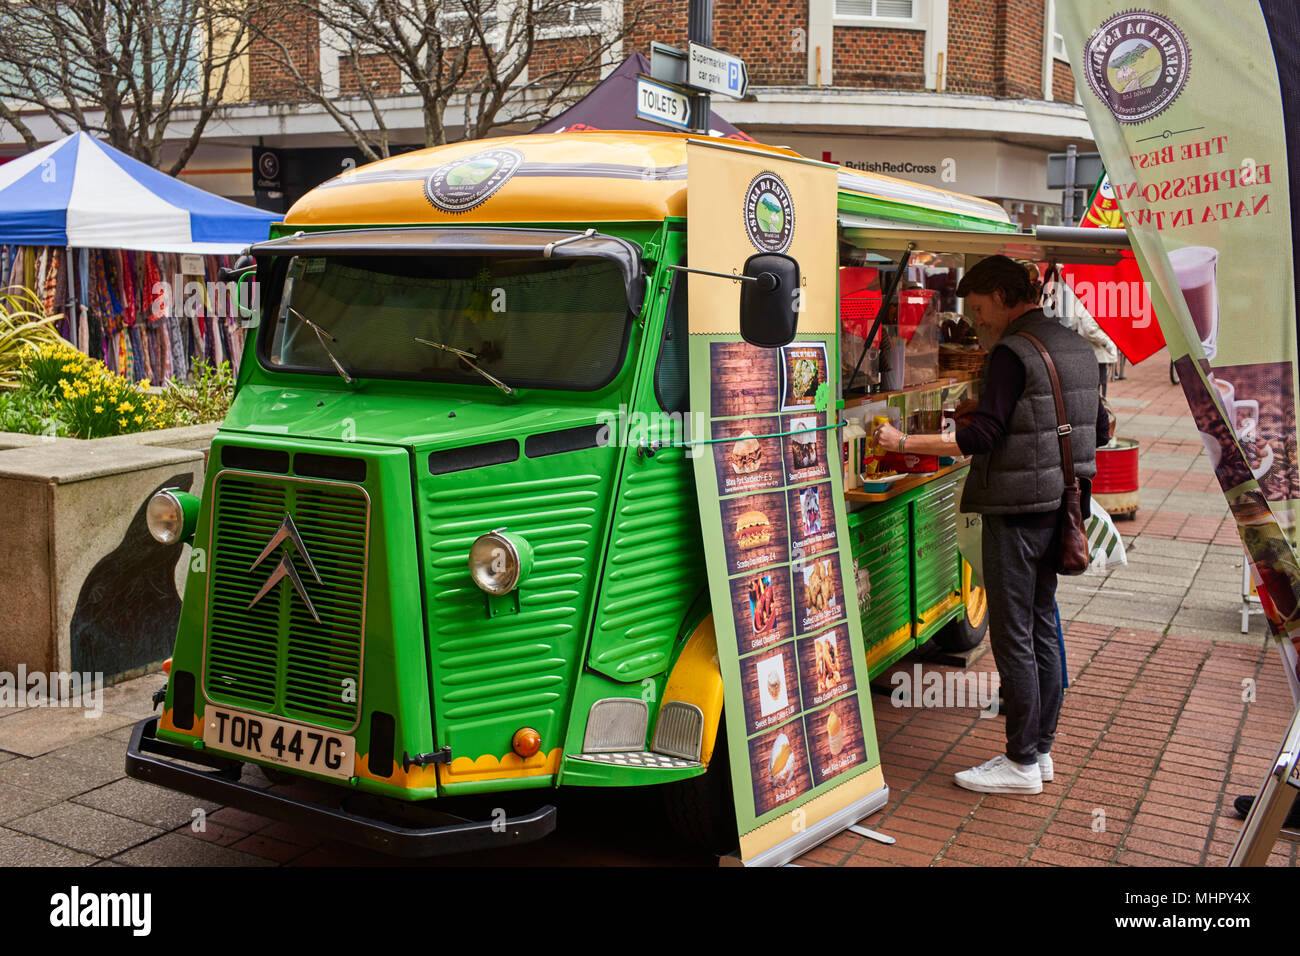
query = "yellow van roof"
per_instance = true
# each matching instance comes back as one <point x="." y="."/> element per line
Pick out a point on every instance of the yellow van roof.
<point x="552" y="177"/>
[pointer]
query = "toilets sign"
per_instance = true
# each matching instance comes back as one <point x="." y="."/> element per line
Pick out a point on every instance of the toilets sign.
<point x="661" y="104"/>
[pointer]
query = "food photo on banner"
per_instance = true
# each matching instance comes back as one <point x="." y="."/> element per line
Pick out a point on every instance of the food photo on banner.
<point x="1191" y="104"/>
<point x="801" y="741"/>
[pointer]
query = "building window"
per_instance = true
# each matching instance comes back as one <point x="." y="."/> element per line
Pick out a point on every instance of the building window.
<point x="1056" y="40"/>
<point x="455" y="20"/>
<point x="876" y="9"/>
<point x="571" y="15"/>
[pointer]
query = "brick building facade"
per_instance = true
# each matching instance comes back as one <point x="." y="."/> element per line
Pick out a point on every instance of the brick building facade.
<point x="969" y="95"/>
<point x="989" y="47"/>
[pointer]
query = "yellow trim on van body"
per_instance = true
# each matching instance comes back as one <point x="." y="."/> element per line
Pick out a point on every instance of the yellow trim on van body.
<point x="697" y="679"/>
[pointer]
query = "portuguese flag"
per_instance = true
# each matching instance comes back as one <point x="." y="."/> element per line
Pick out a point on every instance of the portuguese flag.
<point x="1115" y="295"/>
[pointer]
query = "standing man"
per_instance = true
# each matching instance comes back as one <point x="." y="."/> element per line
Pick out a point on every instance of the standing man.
<point x="1016" y="482"/>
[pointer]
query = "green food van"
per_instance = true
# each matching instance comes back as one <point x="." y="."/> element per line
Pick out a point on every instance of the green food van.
<point x="431" y="559"/>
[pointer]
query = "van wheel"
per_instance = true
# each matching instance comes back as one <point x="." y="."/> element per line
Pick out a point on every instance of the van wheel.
<point x="966" y="630"/>
<point x="701" y="810"/>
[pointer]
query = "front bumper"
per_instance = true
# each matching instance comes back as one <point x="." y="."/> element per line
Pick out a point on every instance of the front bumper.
<point x="156" y="761"/>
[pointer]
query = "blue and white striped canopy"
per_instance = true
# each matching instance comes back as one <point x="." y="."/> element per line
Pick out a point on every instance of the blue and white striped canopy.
<point x="82" y="193"/>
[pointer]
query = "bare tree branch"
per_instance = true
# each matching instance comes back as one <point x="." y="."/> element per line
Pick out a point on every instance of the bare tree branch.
<point x="121" y="69"/>
<point x="501" y="62"/>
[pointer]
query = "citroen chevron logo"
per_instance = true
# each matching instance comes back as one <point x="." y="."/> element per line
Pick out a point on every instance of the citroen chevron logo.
<point x="285" y="569"/>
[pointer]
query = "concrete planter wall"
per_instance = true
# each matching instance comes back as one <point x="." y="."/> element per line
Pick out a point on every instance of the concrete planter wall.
<point x="83" y="585"/>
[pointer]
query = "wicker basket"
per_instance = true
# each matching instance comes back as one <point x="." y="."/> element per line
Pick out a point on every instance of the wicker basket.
<point x="961" y="360"/>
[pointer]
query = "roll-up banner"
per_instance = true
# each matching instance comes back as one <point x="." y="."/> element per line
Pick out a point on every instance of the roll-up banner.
<point x="800" y="733"/>
<point x="1191" y="103"/>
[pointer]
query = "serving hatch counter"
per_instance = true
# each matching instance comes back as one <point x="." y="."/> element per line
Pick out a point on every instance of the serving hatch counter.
<point x="912" y="581"/>
<point x="913" y="585"/>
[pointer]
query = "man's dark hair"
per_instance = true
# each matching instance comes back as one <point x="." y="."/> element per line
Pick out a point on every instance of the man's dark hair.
<point x="1002" y="275"/>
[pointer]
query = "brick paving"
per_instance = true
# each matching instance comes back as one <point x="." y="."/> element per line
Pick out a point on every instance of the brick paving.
<point x="1155" y="737"/>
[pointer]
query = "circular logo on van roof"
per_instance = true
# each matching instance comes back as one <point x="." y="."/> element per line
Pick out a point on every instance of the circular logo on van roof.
<point x="769" y="213"/>
<point x="463" y="184"/>
<point x="1137" y="63"/>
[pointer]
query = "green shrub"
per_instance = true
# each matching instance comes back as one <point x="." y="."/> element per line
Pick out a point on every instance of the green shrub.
<point x="31" y="412"/>
<point x="24" y="327"/>
<point x="206" y="399"/>
<point x="47" y="365"/>
<point x="63" y="392"/>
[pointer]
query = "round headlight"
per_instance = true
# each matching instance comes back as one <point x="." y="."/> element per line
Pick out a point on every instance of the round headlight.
<point x="165" y="518"/>
<point x="498" y="561"/>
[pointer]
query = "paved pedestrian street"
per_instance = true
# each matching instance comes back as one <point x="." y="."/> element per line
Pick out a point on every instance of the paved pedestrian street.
<point x="1171" y="712"/>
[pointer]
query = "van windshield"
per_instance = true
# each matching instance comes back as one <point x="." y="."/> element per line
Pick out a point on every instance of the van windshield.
<point x="546" y="323"/>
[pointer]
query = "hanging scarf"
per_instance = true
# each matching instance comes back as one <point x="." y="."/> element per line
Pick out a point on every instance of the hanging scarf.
<point x="180" y="349"/>
<point x="153" y="281"/>
<point x="165" y="360"/>
<point x="51" y="291"/>
<point x="42" y="265"/>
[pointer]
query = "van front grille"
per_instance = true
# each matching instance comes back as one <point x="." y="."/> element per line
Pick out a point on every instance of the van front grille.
<point x="275" y="657"/>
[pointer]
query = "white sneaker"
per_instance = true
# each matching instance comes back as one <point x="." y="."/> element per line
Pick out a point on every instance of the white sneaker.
<point x="1000" y="775"/>
<point x="1045" y="769"/>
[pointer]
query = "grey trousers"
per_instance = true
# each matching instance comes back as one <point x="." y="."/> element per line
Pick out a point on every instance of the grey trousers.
<point x="1020" y="581"/>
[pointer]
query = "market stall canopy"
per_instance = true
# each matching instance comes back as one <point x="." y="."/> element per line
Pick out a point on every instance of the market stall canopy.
<point x="1044" y="244"/>
<point x="612" y="105"/>
<point x="82" y="193"/>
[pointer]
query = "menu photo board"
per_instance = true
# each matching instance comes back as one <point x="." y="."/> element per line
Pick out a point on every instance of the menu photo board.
<point x="790" y="622"/>
<point x="801" y="740"/>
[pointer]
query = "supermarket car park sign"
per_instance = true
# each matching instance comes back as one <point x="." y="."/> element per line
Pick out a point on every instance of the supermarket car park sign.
<point x="715" y="71"/>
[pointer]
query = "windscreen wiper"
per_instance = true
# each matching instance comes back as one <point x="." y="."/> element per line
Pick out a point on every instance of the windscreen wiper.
<point x="469" y="358"/>
<point x="321" y="336"/>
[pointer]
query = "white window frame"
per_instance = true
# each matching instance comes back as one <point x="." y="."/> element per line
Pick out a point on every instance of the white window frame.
<point x="579" y="29"/>
<point x="1062" y="54"/>
<point x="1049" y="47"/>
<point x="928" y="16"/>
<point x="919" y="20"/>
<point x="494" y="31"/>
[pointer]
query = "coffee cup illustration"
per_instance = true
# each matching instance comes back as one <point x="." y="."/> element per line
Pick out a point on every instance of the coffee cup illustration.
<point x="1233" y="406"/>
<point x="1245" y="429"/>
<point x="1196" y="271"/>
